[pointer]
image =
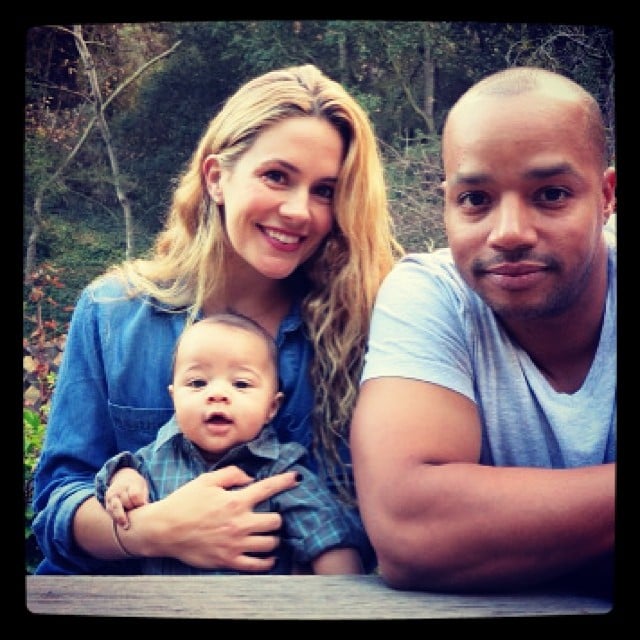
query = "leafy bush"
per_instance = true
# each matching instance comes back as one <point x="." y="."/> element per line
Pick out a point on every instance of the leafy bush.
<point x="42" y="348"/>
<point x="414" y="178"/>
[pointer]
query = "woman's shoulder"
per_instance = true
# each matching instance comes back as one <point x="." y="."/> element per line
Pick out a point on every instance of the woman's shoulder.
<point x="110" y="296"/>
<point x="107" y="287"/>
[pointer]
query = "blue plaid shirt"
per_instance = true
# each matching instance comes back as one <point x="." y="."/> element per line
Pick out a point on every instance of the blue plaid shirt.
<point x="313" y="521"/>
<point x="111" y="396"/>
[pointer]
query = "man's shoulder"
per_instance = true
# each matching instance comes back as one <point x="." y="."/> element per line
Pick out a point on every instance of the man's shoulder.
<point x="415" y="269"/>
<point x="611" y="233"/>
<point x="441" y="256"/>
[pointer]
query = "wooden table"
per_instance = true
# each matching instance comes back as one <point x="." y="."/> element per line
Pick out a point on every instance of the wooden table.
<point x="301" y="597"/>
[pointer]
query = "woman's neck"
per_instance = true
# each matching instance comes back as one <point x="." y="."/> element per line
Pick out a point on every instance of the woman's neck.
<point x="264" y="300"/>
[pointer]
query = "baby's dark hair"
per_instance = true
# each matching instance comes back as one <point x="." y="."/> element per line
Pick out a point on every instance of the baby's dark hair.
<point x="235" y="319"/>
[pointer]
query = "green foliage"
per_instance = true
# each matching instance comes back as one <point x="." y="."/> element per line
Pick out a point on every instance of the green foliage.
<point x="42" y="349"/>
<point x="412" y="167"/>
<point x="33" y="435"/>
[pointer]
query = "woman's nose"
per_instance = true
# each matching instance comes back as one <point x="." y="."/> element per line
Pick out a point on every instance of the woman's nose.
<point x="296" y="205"/>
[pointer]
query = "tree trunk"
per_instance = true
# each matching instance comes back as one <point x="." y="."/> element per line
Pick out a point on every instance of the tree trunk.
<point x="98" y="105"/>
<point x="429" y="80"/>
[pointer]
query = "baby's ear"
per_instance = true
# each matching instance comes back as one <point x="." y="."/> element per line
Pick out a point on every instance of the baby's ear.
<point x="170" y="389"/>
<point x="275" y="405"/>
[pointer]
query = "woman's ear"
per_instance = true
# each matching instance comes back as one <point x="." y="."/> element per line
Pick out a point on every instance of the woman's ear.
<point x="211" y="170"/>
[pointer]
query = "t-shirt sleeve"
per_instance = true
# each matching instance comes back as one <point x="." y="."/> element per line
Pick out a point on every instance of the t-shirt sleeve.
<point x="419" y="326"/>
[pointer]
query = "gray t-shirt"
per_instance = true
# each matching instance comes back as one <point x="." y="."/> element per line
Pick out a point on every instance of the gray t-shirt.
<point x="429" y="325"/>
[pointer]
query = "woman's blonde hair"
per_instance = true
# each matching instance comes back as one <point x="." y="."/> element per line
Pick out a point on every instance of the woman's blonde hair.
<point x="343" y="276"/>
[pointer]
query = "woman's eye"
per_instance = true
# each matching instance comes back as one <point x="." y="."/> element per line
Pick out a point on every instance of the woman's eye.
<point x="325" y="191"/>
<point x="273" y="175"/>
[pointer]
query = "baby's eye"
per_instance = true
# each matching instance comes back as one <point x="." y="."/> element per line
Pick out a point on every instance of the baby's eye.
<point x="242" y="384"/>
<point x="552" y="195"/>
<point x="197" y="383"/>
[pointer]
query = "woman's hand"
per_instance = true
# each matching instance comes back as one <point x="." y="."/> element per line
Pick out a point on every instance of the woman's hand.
<point x="206" y="525"/>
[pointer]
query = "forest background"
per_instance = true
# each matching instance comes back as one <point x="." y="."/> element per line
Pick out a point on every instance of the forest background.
<point x="112" y="112"/>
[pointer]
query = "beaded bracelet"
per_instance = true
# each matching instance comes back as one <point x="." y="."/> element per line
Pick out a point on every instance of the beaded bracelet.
<point x="119" y="541"/>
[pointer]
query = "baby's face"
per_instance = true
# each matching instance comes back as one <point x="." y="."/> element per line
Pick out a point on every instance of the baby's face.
<point x="224" y="386"/>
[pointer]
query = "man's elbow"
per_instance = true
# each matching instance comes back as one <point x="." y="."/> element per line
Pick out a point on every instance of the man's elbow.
<point x="396" y="574"/>
<point x="404" y="565"/>
<point x="408" y="559"/>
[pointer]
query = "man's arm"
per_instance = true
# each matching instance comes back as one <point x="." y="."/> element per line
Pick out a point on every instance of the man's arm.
<point x="440" y="520"/>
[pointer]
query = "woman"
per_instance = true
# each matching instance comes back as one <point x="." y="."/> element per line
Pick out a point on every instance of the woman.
<point x="282" y="216"/>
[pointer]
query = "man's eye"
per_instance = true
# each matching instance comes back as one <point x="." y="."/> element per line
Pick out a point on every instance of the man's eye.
<point x="473" y="199"/>
<point x="552" y="195"/>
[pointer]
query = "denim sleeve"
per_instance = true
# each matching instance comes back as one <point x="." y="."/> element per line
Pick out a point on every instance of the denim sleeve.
<point x="79" y="438"/>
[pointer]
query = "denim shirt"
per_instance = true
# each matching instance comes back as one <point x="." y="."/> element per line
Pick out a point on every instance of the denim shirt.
<point x="111" y="395"/>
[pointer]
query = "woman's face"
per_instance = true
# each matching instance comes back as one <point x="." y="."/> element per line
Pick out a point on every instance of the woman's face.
<point x="278" y="197"/>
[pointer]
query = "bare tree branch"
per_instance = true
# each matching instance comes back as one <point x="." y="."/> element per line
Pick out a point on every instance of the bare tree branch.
<point x="45" y="186"/>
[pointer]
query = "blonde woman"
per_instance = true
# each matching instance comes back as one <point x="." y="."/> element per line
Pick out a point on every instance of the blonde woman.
<point x="281" y="216"/>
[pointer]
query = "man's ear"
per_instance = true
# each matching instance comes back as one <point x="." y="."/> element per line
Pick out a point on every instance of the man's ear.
<point x="212" y="171"/>
<point x="609" y="192"/>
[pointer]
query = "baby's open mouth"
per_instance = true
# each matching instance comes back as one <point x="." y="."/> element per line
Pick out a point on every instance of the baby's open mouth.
<point x="218" y="418"/>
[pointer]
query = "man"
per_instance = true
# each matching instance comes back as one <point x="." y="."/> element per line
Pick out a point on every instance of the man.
<point x="484" y="437"/>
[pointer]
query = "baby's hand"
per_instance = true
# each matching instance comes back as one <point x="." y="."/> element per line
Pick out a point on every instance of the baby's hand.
<point x="127" y="490"/>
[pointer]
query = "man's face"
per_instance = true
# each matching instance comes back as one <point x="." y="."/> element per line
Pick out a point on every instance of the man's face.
<point x="525" y="202"/>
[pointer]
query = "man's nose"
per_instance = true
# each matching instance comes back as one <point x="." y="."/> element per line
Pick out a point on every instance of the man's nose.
<point x="513" y="224"/>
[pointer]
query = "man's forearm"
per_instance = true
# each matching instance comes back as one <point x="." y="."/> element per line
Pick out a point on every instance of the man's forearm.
<point x="466" y="526"/>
